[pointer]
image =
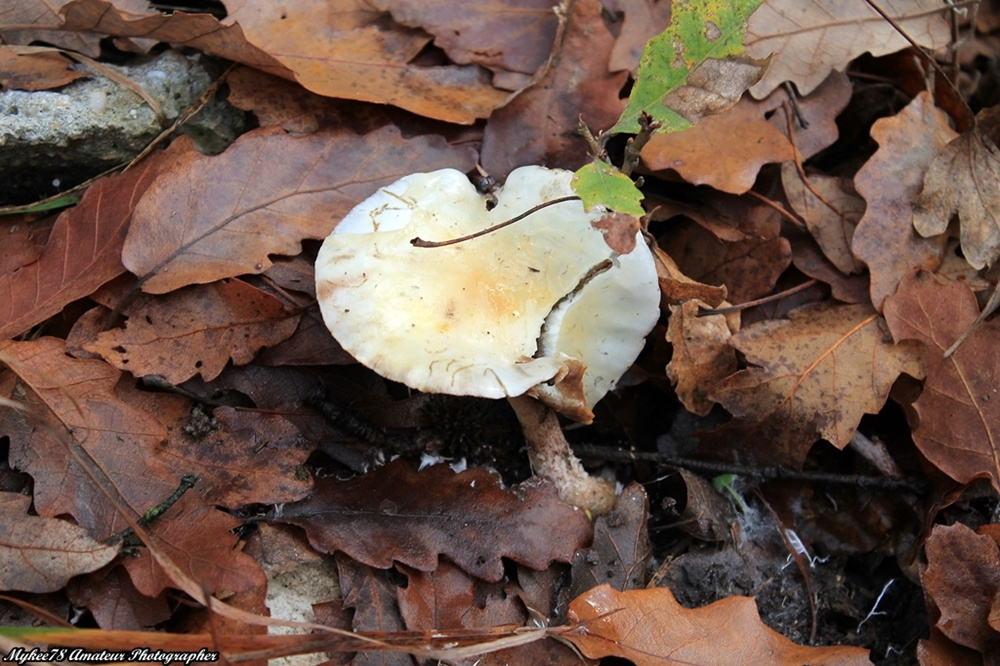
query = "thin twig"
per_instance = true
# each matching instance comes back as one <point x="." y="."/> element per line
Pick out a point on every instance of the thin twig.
<point x="760" y="301"/>
<point x="778" y="207"/>
<point x="634" y="146"/>
<point x="419" y="242"/>
<point x="802" y="172"/>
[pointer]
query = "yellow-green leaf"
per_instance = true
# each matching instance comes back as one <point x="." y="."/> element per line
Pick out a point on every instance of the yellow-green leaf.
<point x="600" y="184"/>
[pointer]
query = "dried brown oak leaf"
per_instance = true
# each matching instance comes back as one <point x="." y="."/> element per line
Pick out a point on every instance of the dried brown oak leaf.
<point x="890" y="183"/>
<point x="45" y="18"/>
<point x="963" y="580"/>
<point x="538" y="126"/>
<point x="725" y="151"/>
<point x="965" y="179"/>
<point x="34" y="68"/>
<point x="831" y="219"/>
<point x="816" y="373"/>
<point x="702" y="356"/>
<point x="811" y="39"/>
<point x="357" y="53"/>
<point x="83" y="249"/>
<point x="959" y="408"/>
<point x="78" y="397"/>
<point x="203" y="32"/>
<point x="642" y="20"/>
<point x="396" y="514"/>
<point x="649" y="628"/>
<point x="194" y="330"/>
<point x="748" y="268"/>
<point x="214" y="217"/>
<point x="513" y="38"/>
<point x="41" y="554"/>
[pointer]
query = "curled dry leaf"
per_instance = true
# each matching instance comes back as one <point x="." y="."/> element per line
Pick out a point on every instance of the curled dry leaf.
<point x="959" y="408"/>
<point x="810" y="39"/>
<point x="398" y="514"/>
<point x="677" y="287"/>
<point x="964" y="179"/>
<point x="649" y="628"/>
<point x="890" y="183"/>
<point x="195" y="330"/>
<point x="815" y="373"/>
<point x="361" y="55"/>
<point x="215" y="217"/>
<point x="41" y="554"/>
<point x="702" y="356"/>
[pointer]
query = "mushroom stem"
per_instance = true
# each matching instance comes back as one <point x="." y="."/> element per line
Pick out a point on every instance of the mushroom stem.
<point x="551" y="457"/>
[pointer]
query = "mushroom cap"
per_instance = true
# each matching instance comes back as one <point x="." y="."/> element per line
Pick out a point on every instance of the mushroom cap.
<point x="495" y="316"/>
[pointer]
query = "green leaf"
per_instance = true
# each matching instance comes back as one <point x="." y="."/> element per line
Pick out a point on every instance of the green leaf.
<point x="600" y="184"/>
<point x="699" y="30"/>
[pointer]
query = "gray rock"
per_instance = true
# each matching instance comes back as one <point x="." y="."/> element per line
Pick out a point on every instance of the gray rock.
<point x="51" y="140"/>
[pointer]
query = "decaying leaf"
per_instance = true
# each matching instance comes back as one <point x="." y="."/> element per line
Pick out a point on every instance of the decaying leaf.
<point x="535" y="127"/>
<point x="398" y="514"/>
<point x="831" y="219"/>
<point x="677" y="287"/>
<point x="964" y="179"/>
<point x="694" y="68"/>
<point x="35" y="68"/>
<point x="40" y="554"/>
<point x="959" y="409"/>
<point x="195" y="330"/>
<point x="83" y="250"/>
<point x="649" y="628"/>
<point x="702" y="355"/>
<point x="725" y="150"/>
<point x="890" y="183"/>
<point x="809" y="39"/>
<point x="817" y="372"/>
<point x="963" y="580"/>
<point x="210" y="218"/>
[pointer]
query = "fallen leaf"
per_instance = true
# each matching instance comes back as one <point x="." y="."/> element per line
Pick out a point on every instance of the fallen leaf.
<point x="200" y="540"/>
<point x="197" y="31"/>
<point x="959" y="408"/>
<point x="371" y="594"/>
<point x="724" y="151"/>
<point x="621" y="548"/>
<point x="538" y="126"/>
<point x="210" y="218"/>
<point x="354" y="52"/>
<point x="195" y="330"/>
<point x="643" y="20"/>
<point x="77" y="398"/>
<point x="694" y="68"/>
<point x="963" y="179"/>
<point x="808" y="40"/>
<point x="45" y="20"/>
<point x="815" y="373"/>
<point x="701" y="357"/>
<point x="114" y="602"/>
<point x="808" y="258"/>
<point x="649" y="627"/>
<point x="963" y="578"/>
<point x="41" y="554"/>
<point x="397" y="514"/>
<point x="831" y="219"/>
<point x="83" y="249"/>
<point x="890" y="183"/>
<point x="677" y="287"/>
<point x="507" y="37"/>
<point x="748" y="268"/>
<point x="33" y="68"/>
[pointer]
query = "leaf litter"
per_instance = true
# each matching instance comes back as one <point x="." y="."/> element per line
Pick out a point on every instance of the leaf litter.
<point x="166" y="326"/>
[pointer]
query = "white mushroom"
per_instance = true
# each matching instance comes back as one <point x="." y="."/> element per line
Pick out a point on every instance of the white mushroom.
<point x="540" y="308"/>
